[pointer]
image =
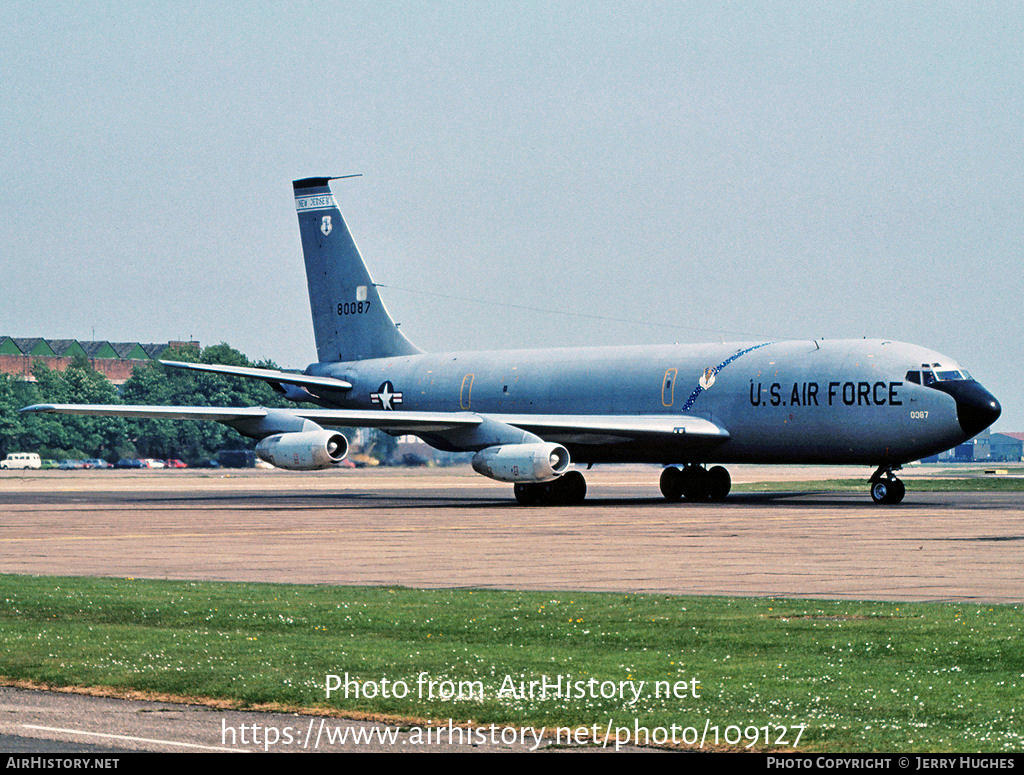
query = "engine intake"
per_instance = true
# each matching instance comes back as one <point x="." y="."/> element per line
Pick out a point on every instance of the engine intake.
<point x="305" y="451"/>
<point x="540" y="462"/>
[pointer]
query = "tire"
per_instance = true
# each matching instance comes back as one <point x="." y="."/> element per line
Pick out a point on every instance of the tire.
<point x="526" y="493"/>
<point x="896" y="491"/>
<point x="695" y="483"/>
<point x="718" y="483"/>
<point x="880" y="491"/>
<point x="570" y="489"/>
<point x="888" y="492"/>
<point x="672" y="484"/>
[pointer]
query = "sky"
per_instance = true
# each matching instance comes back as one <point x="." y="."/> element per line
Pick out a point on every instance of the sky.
<point x="533" y="174"/>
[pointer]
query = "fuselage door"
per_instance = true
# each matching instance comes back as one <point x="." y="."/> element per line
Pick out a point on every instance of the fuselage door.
<point x="466" y="392"/>
<point x="668" y="387"/>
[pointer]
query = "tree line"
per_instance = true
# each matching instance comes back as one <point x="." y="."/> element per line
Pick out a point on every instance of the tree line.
<point x="112" y="438"/>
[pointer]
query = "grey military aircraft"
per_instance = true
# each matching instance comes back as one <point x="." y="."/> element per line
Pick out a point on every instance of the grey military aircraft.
<point x="528" y="415"/>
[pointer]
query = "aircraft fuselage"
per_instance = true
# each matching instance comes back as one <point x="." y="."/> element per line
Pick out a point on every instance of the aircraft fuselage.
<point x="802" y="401"/>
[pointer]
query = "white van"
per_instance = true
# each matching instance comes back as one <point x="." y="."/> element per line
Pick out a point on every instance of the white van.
<point x="21" y="460"/>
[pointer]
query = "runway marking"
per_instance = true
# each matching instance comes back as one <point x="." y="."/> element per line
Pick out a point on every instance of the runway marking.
<point x="135" y="739"/>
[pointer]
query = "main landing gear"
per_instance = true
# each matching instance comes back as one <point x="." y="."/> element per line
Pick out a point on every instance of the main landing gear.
<point x="569" y="489"/>
<point x="695" y="483"/>
<point x="886" y="489"/>
<point x="691" y="482"/>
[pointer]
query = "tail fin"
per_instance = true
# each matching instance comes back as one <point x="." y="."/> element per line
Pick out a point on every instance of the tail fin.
<point x="349" y="321"/>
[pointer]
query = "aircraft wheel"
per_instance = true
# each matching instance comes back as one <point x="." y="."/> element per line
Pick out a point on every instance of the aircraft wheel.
<point x="695" y="483"/>
<point x="719" y="483"/>
<point x="527" y="493"/>
<point x="888" y="491"/>
<point x="672" y="484"/>
<point x="898" y="491"/>
<point x="569" y="489"/>
<point x="880" y="491"/>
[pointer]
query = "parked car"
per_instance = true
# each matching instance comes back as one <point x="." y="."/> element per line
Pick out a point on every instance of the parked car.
<point x="175" y="463"/>
<point x="148" y="462"/>
<point x="71" y="465"/>
<point x="97" y="462"/>
<point x="129" y="462"/>
<point x="21" y="460"/>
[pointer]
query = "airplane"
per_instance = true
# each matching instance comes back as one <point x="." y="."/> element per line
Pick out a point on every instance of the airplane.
<point x="529" y="414"/>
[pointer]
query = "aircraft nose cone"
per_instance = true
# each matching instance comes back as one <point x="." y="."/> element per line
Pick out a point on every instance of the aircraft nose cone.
<point x="976" y="408"/>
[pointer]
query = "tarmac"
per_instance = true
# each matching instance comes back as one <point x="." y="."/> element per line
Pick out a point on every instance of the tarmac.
<point x="450" y="528"/>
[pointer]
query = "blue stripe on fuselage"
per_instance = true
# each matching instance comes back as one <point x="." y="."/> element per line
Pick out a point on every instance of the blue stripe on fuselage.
<point x="698" y="390"/>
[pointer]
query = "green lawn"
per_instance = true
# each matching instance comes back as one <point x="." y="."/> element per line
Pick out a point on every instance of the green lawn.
<point x="858" y="676"/>
<point x="987" y="484"/>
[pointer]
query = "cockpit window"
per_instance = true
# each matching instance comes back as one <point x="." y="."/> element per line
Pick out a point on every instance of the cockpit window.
<point x="928" y="377"/>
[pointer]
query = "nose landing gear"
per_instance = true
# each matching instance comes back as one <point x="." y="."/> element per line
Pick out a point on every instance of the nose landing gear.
<point x="886" y="489"/>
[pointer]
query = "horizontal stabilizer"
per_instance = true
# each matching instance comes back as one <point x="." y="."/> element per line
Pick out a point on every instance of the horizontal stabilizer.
<point x="267" y="375"/>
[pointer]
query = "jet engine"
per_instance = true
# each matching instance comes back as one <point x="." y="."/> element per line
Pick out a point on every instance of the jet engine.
<point x="305" y="451"/>
<point x="539" y="462"/>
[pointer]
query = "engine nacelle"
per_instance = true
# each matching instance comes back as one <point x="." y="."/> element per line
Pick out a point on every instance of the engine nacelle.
<point x="305" y="451"/>
<point x="540" y="462"/>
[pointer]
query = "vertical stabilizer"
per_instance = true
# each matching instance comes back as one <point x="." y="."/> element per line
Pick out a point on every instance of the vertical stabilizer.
<point x="349" y="321"/>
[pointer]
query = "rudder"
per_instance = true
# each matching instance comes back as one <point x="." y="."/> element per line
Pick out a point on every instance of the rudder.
<point x="350" y="322"/>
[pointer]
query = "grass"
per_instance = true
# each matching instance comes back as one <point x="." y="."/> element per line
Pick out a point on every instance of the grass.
<point x="862" y="676"/>
<point x="993" y="484"/>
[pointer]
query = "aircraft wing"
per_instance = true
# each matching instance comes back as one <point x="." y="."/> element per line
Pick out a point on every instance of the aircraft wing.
<point x="579" y="429"/>
<point x="267" y="375"/>
<point x="388" y="420"/>
<point x="399" y="422"/>
<point x="221" y="414"/>
<point x="605" y="429"/>
<point x="587" y="428"/>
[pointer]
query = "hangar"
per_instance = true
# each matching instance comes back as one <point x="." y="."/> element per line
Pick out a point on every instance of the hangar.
<point x="114" y="360"/>
<point x="1006" y="447"/>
